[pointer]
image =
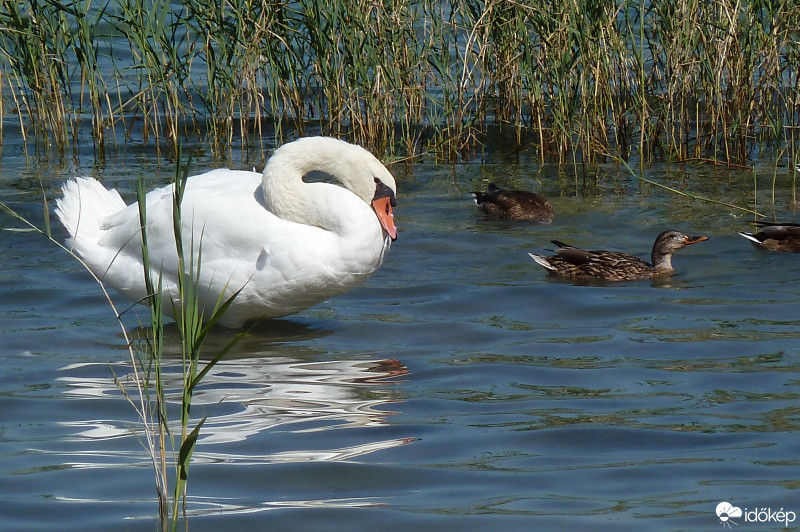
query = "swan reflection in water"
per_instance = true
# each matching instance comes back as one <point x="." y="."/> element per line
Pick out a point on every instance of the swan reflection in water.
<point x="244" y="397"/>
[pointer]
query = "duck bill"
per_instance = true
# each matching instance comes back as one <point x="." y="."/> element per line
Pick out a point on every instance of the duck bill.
<point x="695" y="239"/>
<point x="383" y="208"/>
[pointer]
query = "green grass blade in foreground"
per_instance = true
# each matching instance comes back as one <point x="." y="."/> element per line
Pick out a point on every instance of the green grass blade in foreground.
<point x="187" y="448"/>
<point x="217" y="314"/>
<point x="154" y="356"/>
<point x="139" y="404"/>
<point x="193" y="328"/>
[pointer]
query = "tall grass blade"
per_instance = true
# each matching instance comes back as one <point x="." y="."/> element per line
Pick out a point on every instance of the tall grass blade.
<point x="582" y="82"/>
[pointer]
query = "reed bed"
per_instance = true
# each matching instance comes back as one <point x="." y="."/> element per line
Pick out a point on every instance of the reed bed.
<point x="578" y="80"/>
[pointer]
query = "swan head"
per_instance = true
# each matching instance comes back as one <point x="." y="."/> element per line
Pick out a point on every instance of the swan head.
<point x="367" y="177"/>
<point x="358" y="170"/>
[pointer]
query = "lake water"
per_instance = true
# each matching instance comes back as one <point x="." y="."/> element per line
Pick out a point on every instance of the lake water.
<point x="461" y="388"/>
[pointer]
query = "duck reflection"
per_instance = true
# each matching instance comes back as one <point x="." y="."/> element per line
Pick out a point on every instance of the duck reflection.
<point x="243" y="397"/>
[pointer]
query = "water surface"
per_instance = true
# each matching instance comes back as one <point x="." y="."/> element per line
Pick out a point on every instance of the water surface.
<point x="460" y="389"/>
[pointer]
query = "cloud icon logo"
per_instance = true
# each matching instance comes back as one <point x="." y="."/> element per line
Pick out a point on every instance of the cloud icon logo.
<point x="726" y="511"/>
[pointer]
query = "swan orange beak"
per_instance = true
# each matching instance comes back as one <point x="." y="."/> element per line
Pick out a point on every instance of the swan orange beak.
<point x="383" y="208"/>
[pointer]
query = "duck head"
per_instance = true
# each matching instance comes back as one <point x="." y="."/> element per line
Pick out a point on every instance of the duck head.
<point x="668" y="243"/>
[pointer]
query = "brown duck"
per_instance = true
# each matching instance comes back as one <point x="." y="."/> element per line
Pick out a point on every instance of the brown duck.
<point x="615" y="266"/>
<point x="518" y="205"/>
<point x="776" y="236"/>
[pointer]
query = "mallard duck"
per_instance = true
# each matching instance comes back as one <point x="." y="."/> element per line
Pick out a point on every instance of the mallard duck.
<point x="776" y="236"/>
<point x="518" y="205"/>
<point x="283" y="243"/>
<point x="573" y="262"/>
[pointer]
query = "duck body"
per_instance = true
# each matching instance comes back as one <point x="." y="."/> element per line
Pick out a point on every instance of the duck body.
<point x="284" y="244"/>
<point x="776" y="236"/>
<point x="517" y="205"/>
<point x="576" y="263"/>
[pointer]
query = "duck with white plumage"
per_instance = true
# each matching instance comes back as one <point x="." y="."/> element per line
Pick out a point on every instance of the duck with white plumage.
<point x="285" y="244"/>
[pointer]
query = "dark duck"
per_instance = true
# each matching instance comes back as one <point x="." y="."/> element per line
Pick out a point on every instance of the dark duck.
<point x="574" y="263"/>
<point x="776" y="236"/>
<point x="517" y="205"/>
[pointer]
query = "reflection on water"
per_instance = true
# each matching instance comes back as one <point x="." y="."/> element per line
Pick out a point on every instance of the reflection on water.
<point x="245" y="397"/>
<point x="534" y="403"/>
<point x="270" y="338"/>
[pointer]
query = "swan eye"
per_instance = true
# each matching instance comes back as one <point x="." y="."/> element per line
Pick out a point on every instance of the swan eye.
<point x="383" y="191"/>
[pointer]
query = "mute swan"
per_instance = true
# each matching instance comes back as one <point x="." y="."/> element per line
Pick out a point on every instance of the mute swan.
<point x="287" y="244"/>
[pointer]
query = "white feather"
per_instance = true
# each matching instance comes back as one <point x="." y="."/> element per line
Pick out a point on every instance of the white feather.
<point x="751" y="238"/>
<point x="542" y="261"/>
<point x="284" y="243"/>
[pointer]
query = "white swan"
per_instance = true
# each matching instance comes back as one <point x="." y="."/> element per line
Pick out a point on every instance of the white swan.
<point x="287" y="244"/>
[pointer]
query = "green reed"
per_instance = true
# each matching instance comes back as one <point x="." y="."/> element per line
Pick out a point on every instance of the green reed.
<point x="580" y="81"/>
<point x="150" y="409"/>
<point x="193" y="324"/>
<point x="33" y="48"/>
<point x="160" y="68"/>
<point x="145" y="389"/>
<point x="230" y="91"/>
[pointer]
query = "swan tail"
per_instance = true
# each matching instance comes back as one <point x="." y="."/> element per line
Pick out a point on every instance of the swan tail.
<point x="83" y="206"/>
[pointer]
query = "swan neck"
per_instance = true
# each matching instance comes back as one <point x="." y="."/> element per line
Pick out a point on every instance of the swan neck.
<point x="289" y="197"/>
<point x="285" y="193"/>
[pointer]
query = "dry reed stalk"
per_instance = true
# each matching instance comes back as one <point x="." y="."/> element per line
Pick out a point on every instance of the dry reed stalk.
<point x="579" y="80"/>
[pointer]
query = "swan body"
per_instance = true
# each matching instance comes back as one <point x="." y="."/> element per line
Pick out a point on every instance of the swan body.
<point x="285" y="244"/>
<point x="575" y="263"/>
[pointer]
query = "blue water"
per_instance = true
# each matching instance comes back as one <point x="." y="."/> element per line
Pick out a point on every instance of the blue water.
<point x="459" y="389"/>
